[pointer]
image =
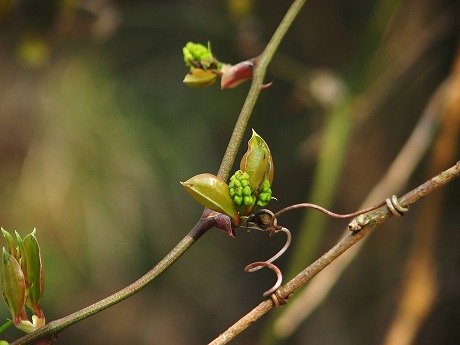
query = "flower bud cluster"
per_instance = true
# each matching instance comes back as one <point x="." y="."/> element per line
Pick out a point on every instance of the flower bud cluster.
<point x="240" y="191"/>
<point x="265" y="194"/>
<point x="242" y="195"/>
<point x="194" y="53"/>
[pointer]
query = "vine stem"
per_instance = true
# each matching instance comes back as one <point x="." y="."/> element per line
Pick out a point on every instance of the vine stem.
<point x="203" y="224"/>
<point x="369" y="221"/>
<point x="257" y="85"/>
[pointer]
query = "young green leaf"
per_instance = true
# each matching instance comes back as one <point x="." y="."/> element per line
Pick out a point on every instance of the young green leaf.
<point x="213" y="193"/>
<point x="13" y="286"/>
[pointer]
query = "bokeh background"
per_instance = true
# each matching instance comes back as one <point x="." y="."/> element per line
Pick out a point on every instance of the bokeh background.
<point x="97" y="130"/>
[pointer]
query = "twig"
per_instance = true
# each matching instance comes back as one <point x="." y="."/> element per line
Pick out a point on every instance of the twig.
<point x="368" y="221"/>
<point x="56" y="326"/>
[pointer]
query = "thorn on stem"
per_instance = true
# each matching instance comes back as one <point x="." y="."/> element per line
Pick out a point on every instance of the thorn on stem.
<point x="266" y="86"/>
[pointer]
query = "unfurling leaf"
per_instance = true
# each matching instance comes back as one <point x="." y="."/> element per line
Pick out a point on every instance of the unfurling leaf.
<point x="13" y="286"/>
<point x="212" y="192"/>
<point x="257" y="162"/>
<point x="35" y="274"/>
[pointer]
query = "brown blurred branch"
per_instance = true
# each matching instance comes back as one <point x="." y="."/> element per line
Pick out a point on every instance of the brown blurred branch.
<point x="368" y="221"/>
<point x="393" y="181"/>
<point x="419" y="287"/>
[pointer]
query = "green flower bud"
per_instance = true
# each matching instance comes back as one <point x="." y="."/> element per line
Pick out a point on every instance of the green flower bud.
<point x="248" y="200"/>
<point x="212" y="192"/>
<point x="246" y="191"/>
<point x="238" y="199"/>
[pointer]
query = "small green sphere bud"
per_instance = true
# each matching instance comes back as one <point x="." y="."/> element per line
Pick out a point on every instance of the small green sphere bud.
<point x="248" y="200"/>
<point x="238" y="199"/>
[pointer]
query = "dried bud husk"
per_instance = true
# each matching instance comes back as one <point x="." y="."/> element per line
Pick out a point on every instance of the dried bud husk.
<point x="212" y="192"/>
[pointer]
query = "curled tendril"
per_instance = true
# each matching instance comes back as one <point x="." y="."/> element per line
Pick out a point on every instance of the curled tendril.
<point x="263" y="220"/>
<point x="395" y="207"/>
<point x="329" y="213"/>
<point x="281" y="251"/>
<point x="266" y="220"/>
<point x="258" y="265"/>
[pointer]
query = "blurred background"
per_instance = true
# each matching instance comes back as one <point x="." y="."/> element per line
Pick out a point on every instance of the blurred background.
<point x="97" y="130"/>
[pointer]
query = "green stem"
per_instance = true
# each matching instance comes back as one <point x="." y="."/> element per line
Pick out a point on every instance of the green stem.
<point x="257" y="84"/>
<point x="6" y="325"/>
<point x="205" y="223"/>
<point x="56" y="326"/>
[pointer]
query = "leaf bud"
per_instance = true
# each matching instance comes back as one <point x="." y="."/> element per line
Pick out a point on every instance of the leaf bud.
<point x="23" y="280"/>
<point x="232" y="76"/>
